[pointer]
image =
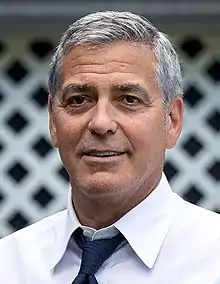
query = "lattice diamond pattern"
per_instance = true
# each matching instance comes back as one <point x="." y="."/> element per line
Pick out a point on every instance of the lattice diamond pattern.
<point x="43" y="197"/>
<point x="214" y="71"/>
<point x="214" y="170"/>
<point x="1" y="147"/>
<point x="62" y="173"/>
<point x="16" y="72"/>
<point x="192" y="146"/>
<point x="41" y="48"/>
<point x="214" y="120"/>
<point x="1" y="47"/>
<point x="17" y="121"/>
<point x="171" y="170"/>
<point x="193" y="96"/>
<point x="193" y="194"/>
<point x="17" y="172"/>
<point x="34" y="184"/>
<point x="1" y="197"/>
<point x="39" y="97"/>
<point x="192" y="46"/>
<point x="17" y="220"/>
<point x="42" y="147"/>
<point x="1" y="97"/>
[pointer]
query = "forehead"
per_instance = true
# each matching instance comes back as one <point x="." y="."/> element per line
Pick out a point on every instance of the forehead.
<point x="122" y="61"/>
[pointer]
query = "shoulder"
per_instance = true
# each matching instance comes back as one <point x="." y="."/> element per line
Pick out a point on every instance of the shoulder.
<point x="26" y="252"/>
<point x="196" y="223"/>
<point x="197" y="216"/>
<point x="35" y="235"/>
<point x="193" y="240"/>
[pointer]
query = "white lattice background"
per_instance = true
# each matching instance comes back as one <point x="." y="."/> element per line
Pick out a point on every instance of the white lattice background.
<point x="33" y="183"/>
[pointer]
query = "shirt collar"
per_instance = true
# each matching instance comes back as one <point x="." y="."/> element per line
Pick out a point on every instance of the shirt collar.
<point x="63" y="233"/>
<point x="145" y="226"/>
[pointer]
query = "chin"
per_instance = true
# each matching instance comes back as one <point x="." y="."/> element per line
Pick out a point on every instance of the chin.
<point x="102" y="184"/>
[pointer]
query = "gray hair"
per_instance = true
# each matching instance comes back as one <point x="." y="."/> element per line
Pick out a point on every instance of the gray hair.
<point x="111" y="27"/>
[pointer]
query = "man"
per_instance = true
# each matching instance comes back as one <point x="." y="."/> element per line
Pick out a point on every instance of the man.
<point x="115" y="106"/>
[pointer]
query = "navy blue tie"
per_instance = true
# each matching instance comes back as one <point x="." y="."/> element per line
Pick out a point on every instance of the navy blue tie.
<point x="94" y="253"/>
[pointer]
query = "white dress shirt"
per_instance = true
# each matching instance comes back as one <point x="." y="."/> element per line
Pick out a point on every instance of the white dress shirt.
<point x="168" y="241"/>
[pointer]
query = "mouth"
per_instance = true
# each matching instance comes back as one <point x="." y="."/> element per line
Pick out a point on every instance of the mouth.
<point x="103" y="154"/>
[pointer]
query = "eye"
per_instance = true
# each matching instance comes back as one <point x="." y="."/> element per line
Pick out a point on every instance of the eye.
<point x="76" y="100"/>
<point x="131" y="100"/>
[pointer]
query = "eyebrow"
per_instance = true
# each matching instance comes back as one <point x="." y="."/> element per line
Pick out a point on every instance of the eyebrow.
<point x="132" y="88"/>
<point x="121" y="88"/>
<point x="78" y="88"/>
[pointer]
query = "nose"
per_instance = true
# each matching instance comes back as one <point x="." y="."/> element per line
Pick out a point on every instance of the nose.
<point x="103" y="120"/>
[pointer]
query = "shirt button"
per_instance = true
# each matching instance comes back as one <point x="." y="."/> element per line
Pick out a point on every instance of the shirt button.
<point x="87" y="233"/>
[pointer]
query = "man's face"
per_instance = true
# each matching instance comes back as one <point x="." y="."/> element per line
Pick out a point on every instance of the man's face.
<point x="108" y="120"/>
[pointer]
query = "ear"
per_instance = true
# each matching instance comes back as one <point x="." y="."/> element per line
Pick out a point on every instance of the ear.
<point x="174" y="121"/>
<point x="52" y="125"/>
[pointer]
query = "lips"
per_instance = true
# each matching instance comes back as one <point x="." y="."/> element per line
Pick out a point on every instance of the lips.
<point x="103" y="154"/>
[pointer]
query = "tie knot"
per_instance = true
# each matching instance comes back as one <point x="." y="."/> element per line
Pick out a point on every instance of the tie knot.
<point x="95" y="253"/>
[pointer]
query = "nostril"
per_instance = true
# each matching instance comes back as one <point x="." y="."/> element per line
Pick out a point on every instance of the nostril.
<point x="103" y="127"/>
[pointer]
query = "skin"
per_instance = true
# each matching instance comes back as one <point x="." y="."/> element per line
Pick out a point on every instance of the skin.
<point x="108" y="100"/>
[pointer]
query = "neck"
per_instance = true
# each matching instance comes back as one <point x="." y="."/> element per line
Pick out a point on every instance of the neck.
<point x="100" y="212"/>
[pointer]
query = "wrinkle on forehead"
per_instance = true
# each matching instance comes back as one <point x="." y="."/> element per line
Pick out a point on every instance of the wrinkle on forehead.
<point x="111" y="67"/>
<point x="121" y="55"/>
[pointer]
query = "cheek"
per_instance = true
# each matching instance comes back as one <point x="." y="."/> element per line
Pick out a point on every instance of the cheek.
<point x="147" y="137"/>
<point x="66" y="130"/>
